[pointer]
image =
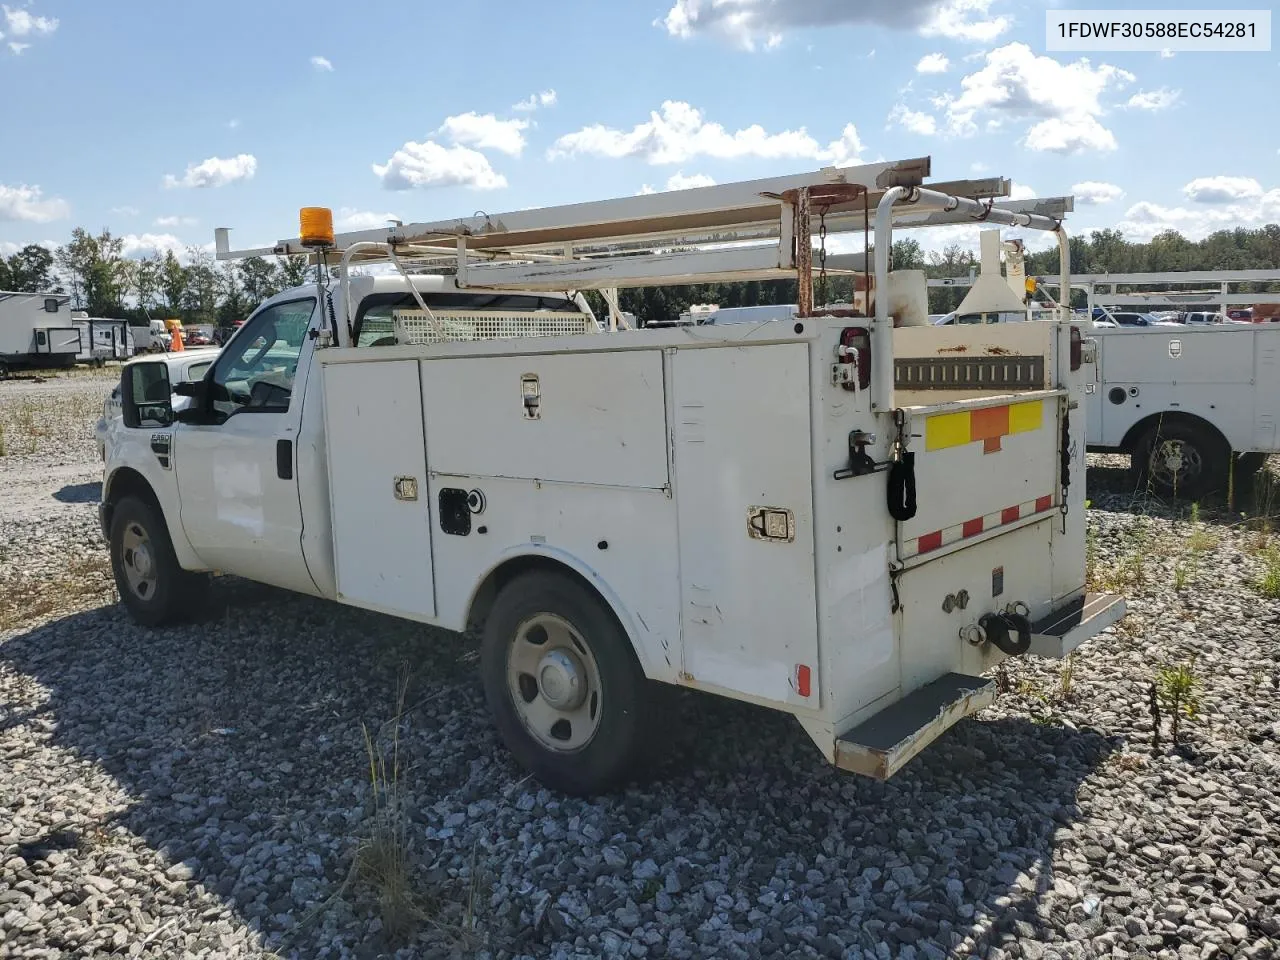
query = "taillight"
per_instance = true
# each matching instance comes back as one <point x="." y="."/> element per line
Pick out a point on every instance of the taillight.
<point x="1077" y="348"/>
<point x="855" y="345"/>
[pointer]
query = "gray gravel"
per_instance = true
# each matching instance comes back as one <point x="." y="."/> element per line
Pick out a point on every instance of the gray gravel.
<point x="202" y="791"/>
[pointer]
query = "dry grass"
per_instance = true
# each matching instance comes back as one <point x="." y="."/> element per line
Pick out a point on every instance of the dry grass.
<point x="87" y="581"/>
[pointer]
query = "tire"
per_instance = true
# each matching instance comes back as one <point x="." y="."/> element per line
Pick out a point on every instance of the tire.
<point x="4" y="370"/>
<point x="1180" y="459"/>
<point x="152" y="586"/>
<point x="578" y="723"/>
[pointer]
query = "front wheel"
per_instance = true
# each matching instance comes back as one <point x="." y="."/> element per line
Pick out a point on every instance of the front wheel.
<point x="154" y="588"/>
<point x="1181" y="459"/>
<point x="563" y="684"/>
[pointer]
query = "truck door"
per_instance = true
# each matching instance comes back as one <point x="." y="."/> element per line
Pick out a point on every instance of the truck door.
<point x="236" y="476"/>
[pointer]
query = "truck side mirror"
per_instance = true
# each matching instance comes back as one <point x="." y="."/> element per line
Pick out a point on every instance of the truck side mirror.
<point x="145" y="395"/>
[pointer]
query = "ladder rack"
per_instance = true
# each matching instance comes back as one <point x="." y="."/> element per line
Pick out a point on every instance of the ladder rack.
<point x="749" y="230"/>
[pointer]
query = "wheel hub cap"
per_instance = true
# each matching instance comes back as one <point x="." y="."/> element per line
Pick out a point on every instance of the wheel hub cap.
<point x="561" y="680"/>
<point x="142" y="562"/>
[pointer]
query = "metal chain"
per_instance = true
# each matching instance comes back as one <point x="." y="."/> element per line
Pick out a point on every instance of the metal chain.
<point x="822" y="256"/>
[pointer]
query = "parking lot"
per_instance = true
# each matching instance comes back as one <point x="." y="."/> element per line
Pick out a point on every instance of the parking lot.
<point x="205" y="791"/>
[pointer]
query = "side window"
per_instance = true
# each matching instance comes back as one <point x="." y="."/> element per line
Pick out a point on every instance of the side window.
<point x="255" y="371"/>
<point x="377" y="329"/>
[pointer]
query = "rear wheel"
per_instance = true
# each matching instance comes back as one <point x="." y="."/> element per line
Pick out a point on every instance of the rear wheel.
<point x="563" y="684"/>
<point x="4" y="370"/>
<point x="1179" y="459"/>
<point x="154" y="588"/>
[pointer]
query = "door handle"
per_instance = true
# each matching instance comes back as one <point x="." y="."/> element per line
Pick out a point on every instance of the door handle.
<point x="284" y="459"/>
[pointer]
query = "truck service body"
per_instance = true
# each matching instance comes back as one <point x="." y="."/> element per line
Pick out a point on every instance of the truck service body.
<point x="845" y="517"/>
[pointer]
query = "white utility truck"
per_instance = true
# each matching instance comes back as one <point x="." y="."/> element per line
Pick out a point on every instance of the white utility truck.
<point x="1195" y="407"/>
<point x="845" y="517"/>
<point x="36" y="330"/>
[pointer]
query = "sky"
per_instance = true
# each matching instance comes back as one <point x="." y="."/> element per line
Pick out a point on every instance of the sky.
<point x="162" y="121"/>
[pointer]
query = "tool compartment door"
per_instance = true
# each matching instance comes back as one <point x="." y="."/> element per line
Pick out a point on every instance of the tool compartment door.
<point x="743" y="478"/>
<point x="982" y="467"/>
<point x="378" y="486"/>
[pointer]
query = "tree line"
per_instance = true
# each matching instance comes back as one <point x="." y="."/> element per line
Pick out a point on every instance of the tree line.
<point x="106" y="283"/>
<point x="199" y="289"/>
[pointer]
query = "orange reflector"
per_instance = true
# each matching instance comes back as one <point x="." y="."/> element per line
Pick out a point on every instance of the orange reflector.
<point x="802" y="679"/>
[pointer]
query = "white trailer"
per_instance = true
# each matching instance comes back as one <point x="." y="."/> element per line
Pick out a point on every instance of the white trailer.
<point x="834" y="516"/>
<point x="103" y="339"/>
<point x="36" y="330"/>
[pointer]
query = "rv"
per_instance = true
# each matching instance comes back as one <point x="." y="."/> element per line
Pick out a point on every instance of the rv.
<point x="102" y="339"/>
<point x="36" y="331"/>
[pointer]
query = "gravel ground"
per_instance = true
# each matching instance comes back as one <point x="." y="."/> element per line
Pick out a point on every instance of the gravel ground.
<point x="205" y="791"/>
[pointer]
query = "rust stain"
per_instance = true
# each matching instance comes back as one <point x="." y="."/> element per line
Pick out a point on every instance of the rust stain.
<point x="999" y="352"/>
<point x="958" y="348"/>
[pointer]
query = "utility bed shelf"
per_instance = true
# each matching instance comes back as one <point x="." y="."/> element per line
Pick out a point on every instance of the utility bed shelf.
<point x="881" y="745"/>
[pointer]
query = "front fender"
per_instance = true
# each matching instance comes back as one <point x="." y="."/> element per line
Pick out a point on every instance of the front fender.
<point x="145" y="478"/>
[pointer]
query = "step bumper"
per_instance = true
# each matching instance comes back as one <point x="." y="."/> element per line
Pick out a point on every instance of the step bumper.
<point x="883" y="744"/>
<point x="1071" y="625"/>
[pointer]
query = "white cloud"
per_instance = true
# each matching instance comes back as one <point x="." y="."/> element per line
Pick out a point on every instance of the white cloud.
<point x="428" y="164"/>
<point x="965" y="20"/>
<point x="1222" y="189"/>
<point x="144" y="244"/>
<point x="20" y="23"/>
<point x="126" y="211"/>
<point x="1093" y="192"/>
<point x="23" y="202"/>
<point x="485" y="131"/>
<point x="175" y="221"/>
<point x="678" y="133"/>
<point x="913" y="121"/>
<point x="933" y="63"/>
<point x="233" y="123"/>
<point x="1144" y="220"/>
<point x="645" y="190"/>
<point x="547" y="98"/>
<point x="747" y="23"/>
<point x="678" y="181"/>
<point x="215" y="172"/>
<point x="1154" y="100"/>
<point x="17" y="48"/>
<point x="1074" y="134"/>
<point x="978" y="167"/>
<point x="322" y="64"/>
<point x="1062" y="99"/>
<point x="1166" y="54"/>
<point x="349" y="218"/>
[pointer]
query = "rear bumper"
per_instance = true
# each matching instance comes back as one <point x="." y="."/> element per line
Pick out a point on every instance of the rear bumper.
<point x="883" y="744"/>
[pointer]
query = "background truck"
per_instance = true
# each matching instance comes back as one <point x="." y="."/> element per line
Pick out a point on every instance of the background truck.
<point x="1190" y="404"/>
<point x="36" y="331"/>
<point x="847" y="516"/>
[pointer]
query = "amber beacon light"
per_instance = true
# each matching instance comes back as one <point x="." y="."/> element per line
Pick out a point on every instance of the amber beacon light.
<point x="316" y="226"/>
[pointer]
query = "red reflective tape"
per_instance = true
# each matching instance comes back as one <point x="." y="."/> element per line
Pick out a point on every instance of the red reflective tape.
<point x="803" y="677"/>
<point x="1043" y="504"/>
<point x="930" y="541"/>
<point x="972" y="528"/>
<point x="1010" y="514"/>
